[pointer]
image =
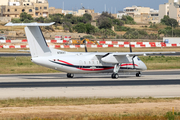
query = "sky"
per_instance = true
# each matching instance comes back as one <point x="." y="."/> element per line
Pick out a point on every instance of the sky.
<point x="99" y="5"/>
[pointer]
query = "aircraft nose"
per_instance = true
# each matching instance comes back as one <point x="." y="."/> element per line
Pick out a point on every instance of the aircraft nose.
<point x="144" y="67"/>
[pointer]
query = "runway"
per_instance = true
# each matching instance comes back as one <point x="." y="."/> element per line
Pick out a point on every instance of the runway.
<point x="151" y="84"/>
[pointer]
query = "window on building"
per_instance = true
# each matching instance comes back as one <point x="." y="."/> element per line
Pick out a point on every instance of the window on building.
<point x="15" y="10"/>
<point x="15" y="15"/>
<point x="40" y="7"/>
<point x="8" y="10"/>
<point x="36" y="14"/>
<point x="7" y="15"/>
<point x="14" y="4"/>
<point x="28" y="0"/>
<point x="30" y="10"/>
<point x="36" y="8"/>
<point x="23" y="10"/>
<point x="27" y="4"/>
<point x="45" y="8"/>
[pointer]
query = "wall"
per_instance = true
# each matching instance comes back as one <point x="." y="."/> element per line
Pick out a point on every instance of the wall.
<point x="3" y="2"/>
<point x="5" y="19"/>
<point x="163" y="10"/>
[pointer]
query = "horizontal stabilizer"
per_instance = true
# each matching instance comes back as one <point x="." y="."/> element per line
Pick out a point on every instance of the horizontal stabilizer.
<point x="29" y="24"/>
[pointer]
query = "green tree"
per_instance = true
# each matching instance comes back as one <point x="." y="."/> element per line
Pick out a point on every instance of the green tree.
<point x="104" y="22"/>
<point x="169" y="21"/>
<point x="128" y="19"/>
<point x="25" y="16"/>
<point x="80" y="28"/>
<point x="87" y="17"/>
<point x="90" y="29"/>
<point x="40" y="19"/>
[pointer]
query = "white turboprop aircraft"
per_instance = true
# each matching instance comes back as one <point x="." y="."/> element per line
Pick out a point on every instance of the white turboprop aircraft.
<point x="81" y="62"/>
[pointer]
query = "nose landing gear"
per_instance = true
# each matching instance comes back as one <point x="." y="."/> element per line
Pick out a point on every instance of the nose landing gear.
<point x="138" y="74"/>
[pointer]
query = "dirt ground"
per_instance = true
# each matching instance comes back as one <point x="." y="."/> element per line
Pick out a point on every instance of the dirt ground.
<point x="55" y="111"/>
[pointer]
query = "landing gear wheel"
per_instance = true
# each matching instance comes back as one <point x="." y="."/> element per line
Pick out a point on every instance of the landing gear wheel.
<point x="138" y="74"/>
<point x="69" y="75"/>
<point x="114" y="76"/>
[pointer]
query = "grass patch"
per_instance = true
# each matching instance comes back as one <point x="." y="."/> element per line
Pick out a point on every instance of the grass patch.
<point x="161" y="62"/>
<point x="99" y="116"/>
<point x="23" y="102"/>
<point x="16" y="65"/>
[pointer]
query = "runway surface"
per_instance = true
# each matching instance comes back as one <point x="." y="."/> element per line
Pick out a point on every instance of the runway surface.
<point x="151" y="84"/>
<point x="27" y="54"/>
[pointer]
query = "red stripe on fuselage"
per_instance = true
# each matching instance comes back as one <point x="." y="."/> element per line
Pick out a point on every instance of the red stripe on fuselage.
<point x="128" y="64"/>
<point x="65" y="62"/>
<point x="96" y="69"/>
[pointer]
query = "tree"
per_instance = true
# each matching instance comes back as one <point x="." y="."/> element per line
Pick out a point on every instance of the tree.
<point x="104" y="22"/>
<point x="128" y="19"/>
<point x="106" y="14"/>
<point x="40" y="19"/>
<point x="87" y="16"/>
<point x="90" y="29"/>
<point x="25" y="16"/>
<point x="80" y="28"/>
<point x="169" y="21"/>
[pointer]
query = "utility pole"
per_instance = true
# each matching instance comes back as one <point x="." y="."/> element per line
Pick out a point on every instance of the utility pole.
<point x="172" y="30"/>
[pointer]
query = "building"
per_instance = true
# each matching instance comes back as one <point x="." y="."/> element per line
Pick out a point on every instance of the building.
<point x="140" y="14"/>
<point x="135" y="10"/>
<point x="53" y="10"/>
<point x="13" y="8"/>
<point x="163" y="10"/>
<point x="120" y="14"/>
<point x="174" y="9"/>
<point x="83" y="11"/>
<point x="153" y="16"/>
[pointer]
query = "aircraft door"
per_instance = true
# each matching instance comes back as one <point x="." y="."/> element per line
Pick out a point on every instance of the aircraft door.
<point x="80" y="64"/>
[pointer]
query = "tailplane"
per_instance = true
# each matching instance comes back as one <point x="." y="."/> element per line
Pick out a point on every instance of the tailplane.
<point x="36" y="40"/>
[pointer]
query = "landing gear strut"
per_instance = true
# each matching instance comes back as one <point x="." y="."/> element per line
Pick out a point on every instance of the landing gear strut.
<point x="138" y="74"/>
<point x="69" y="75"/>
<point x="115" y="72"/>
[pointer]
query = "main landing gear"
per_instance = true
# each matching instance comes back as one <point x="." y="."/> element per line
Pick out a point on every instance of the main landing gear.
<point x="115" y="72"/>
<point x="69" y="75"/>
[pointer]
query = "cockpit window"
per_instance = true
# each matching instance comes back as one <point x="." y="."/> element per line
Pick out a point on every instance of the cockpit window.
<point x="139" y="59"/>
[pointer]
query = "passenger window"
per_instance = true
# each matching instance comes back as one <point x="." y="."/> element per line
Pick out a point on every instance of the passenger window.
<point x="84" y="62"/>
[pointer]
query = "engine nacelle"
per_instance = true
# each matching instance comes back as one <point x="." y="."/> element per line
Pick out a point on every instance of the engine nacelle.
<point x="110" y="59"/>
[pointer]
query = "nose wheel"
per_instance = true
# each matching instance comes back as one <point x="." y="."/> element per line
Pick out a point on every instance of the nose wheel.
<point x="138" y="74"/>
<point x="69" y="75"/>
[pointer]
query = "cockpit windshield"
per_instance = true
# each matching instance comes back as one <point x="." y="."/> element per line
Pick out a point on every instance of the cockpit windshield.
<point x="138" y="59"/>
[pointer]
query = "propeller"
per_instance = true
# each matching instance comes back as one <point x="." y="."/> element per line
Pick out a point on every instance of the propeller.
<point x="130" y="48"/>
<point x="86" y="47"/>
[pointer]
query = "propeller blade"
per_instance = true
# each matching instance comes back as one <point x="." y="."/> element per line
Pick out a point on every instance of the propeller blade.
<point x="86" y="49"/>
<point x="130" y="47"/>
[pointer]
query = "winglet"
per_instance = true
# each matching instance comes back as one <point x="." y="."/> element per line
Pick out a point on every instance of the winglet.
<point x="29" y="24"/>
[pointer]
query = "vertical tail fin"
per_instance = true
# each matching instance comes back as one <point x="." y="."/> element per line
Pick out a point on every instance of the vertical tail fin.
<point x="37" y="43"/>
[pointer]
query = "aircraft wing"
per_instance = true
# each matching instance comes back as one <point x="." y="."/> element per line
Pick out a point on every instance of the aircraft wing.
<point x="141" y="53"/>
<point x="122" y="57"/>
